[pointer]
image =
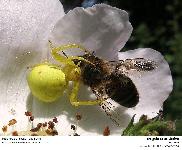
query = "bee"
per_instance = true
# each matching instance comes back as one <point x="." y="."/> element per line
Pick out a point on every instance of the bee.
<point x="110" y="79"/>
<point x="106" y="79"/>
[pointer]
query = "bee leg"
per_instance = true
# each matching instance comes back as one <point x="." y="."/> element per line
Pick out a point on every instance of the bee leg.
<point x="76" y="102"/>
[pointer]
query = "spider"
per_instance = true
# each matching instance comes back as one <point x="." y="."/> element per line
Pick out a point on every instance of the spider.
<point x="48" y="82"/>
<point x="107" y="79"/>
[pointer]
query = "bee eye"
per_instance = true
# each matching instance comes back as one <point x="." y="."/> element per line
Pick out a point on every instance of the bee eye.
<point x="77" y="62"/>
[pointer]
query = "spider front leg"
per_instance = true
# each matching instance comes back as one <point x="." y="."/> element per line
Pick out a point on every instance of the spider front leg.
<point x="76" y="102"/>
<point x="67" y="60"/>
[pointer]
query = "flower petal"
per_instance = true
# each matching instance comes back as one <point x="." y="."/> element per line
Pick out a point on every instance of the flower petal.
<point x="93" y="121"/>
<point x="101" y="28"/>
<point x="24" y="30"/>
<point x="154" y="87"/>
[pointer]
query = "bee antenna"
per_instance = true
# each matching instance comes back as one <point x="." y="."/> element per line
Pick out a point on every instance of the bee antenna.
<point x="65" y="54"/>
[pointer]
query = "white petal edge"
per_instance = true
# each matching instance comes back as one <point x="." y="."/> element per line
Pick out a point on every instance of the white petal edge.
<point x="154" y="87"/>
<point x="24" y="29"/>
<point x="101" y="28"/>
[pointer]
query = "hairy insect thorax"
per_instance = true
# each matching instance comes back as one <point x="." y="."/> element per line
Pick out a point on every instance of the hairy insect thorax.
<point x="93" y="74"/>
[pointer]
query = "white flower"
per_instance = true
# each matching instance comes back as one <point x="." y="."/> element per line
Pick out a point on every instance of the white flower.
<point x="25" y="29"/>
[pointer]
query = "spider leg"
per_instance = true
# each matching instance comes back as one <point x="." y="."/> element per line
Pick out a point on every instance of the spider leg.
<point x="67" y="59"/>
<point x="60" y="58"/>
<point x="68" y="46"/>
<point x="76" y="102"/>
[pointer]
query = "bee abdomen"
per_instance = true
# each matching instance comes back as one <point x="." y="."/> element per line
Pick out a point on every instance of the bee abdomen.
<point x="123" y="91"/>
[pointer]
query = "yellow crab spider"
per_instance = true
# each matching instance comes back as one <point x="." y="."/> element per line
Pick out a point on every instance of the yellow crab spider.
<point x="48" y="82"/>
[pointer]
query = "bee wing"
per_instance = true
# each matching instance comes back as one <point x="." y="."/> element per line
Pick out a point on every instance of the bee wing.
<point x="135" y="65"/>
<point x="139" y="64"/>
